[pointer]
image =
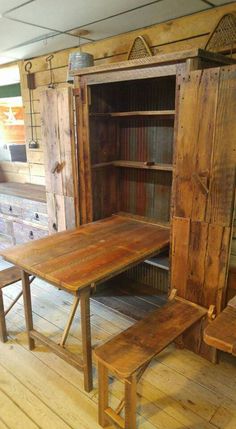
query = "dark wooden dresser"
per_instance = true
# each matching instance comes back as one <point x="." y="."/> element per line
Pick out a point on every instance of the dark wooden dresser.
<point x="23" y="213"/>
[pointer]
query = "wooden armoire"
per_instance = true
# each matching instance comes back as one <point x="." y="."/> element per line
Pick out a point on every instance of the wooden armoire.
<point x="156" y="140"/>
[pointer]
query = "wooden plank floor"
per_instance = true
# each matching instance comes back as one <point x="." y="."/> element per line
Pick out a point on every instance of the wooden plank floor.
<point x="38" y="390"/>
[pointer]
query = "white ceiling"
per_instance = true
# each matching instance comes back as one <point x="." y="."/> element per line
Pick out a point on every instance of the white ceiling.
<point x="35" y="27"/>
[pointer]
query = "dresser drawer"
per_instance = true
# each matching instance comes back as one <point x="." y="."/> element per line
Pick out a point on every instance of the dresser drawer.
<point x="35" y="217"/>
<point x="24" y="233"/>
<point x="10" y="209"/>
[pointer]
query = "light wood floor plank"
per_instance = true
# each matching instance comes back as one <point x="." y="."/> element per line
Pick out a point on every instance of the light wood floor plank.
<point x="29" y="403"/>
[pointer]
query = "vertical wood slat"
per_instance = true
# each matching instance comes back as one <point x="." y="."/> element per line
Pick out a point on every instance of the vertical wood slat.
<point x="59" y="147"/>
<point x="203" y="208"/>
<point x="85" y="185"/>
<point x="222" y="185"/>
<point x="195" y="133"/>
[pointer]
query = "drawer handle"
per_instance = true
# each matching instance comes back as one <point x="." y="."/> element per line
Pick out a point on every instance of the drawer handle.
<point x="36" y="216"/>
<point x="10" y="209"/>
<point x="31" y="235"/>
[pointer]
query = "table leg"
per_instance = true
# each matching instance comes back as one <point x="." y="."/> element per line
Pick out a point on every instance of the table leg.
<point x="86" y="338"/>
<point x="27" y="307"/>
<point x="3" y="328"/>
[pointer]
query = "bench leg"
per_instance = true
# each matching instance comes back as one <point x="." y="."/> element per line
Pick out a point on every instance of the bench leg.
<point x="27" y="307"/>
<point x="130" y="402"/>
<point x="102" y="394"/>
<point x="86" y="338"/>
<point x="3" y="328"/>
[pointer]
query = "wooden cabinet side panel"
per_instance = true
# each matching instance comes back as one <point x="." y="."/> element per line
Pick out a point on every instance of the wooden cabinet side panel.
<point x="194" y="142"/>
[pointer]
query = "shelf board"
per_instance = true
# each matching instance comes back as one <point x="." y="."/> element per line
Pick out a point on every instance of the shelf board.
<point x="144" y="113"/>
<point x="142" y="165"/>
<point x="159" y="261"/>
<point x="161" y="113"/>
<point x="135" y="164"/>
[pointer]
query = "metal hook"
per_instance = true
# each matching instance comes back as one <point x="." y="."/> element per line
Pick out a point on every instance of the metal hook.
<point x="49" y="60"/>
<point x="28" y="66"/>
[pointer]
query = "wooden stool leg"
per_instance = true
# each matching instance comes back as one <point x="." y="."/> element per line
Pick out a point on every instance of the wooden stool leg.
<point x="3" y="328"/>
<point x="86" y="338"/>
<point x="130" y="402"/>
<point x="27" y="307"/>
<point x="102" y="394"/>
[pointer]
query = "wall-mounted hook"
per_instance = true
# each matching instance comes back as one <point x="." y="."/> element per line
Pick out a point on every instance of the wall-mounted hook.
<point x="49" y="61"/>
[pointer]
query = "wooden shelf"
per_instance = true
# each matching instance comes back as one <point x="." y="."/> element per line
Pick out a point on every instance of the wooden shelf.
<point x="134" y="164"/>
<point x="161" y="113"/>
<point x="159" y="261"/>
<point x="142" y="165"/>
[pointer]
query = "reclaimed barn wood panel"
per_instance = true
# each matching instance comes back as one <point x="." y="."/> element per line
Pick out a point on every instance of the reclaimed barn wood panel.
<point x="145" y="193"/>
<point x="222" y="185"/>
<point x="146" y="139"/>
<point x="194" y="144"/>
<point x="59" y="150"/>
<point x="105" y="198"/>
<point x="199" y="261"/>
<point x="204" y="191"/>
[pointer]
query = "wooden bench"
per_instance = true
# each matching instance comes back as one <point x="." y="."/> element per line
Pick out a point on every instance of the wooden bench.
<point x="128" y="355"/>
<point x="221" y="333"/>
<point x="7" y="277"/>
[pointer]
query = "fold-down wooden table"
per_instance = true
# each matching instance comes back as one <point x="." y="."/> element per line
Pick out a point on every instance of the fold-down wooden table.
<point x="78" y="259"/>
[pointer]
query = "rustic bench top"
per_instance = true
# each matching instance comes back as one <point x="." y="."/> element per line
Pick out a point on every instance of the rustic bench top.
<point x="9" y="276"/>
<point x="137" y="345"/>
<point x="89" y="254"/>
<point x="221" y="333"/>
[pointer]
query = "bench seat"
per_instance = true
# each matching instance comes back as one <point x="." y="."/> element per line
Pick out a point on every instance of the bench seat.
<point x="130" y="350"/>
<point x="128" y="354"/>
<point x="9" y="276"/>
<point x="221" y="333"/>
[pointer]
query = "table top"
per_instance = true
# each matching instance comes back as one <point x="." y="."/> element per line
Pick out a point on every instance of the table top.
<point x="221" y="333"/>
<point x="89" y="254"/>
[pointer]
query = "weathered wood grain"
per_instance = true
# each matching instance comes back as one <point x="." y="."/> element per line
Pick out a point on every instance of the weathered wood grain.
<point x="75" y="259"/>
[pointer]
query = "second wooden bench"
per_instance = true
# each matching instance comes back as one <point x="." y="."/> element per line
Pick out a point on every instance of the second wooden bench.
<point x="128" y="355"/>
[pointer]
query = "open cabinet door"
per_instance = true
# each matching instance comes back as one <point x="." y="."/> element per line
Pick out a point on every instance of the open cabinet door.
<point x="60" y="158"/>
<point x="204" y="191"/>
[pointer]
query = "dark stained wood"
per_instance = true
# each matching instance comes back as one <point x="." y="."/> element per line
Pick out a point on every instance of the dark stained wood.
<point x="92" y="253"/>
<point x="221" y="332"/>
<point x="130" y="350"/>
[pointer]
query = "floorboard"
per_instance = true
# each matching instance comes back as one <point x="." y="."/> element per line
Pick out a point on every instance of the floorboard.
<point x="38" y="390"/>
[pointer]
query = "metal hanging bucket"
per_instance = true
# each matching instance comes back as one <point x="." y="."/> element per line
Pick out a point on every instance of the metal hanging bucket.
<point x="78" y="60"/>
